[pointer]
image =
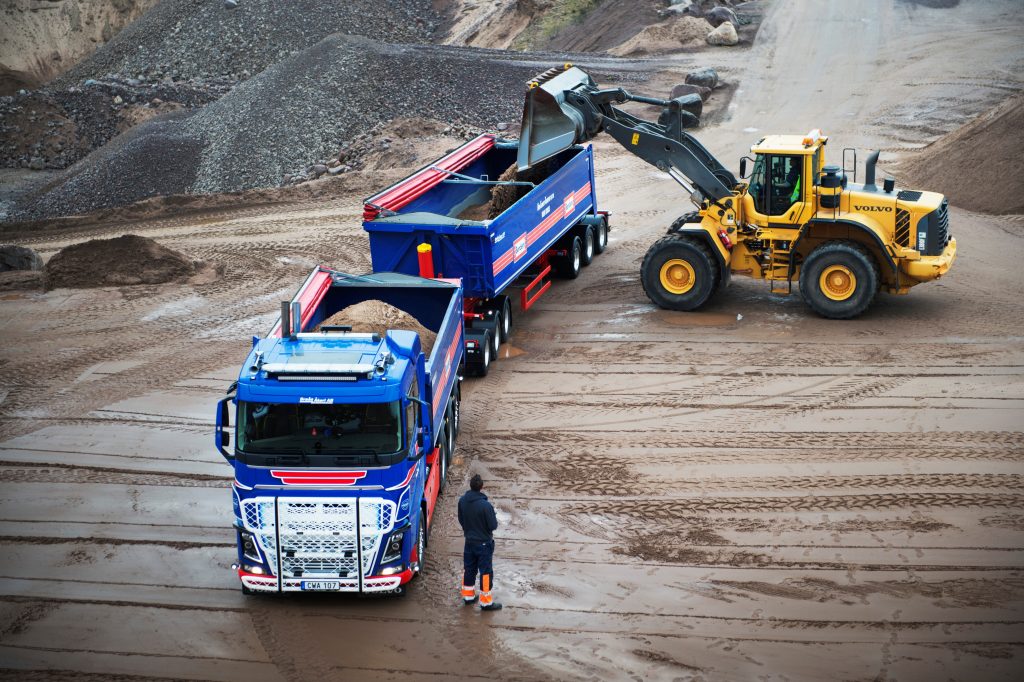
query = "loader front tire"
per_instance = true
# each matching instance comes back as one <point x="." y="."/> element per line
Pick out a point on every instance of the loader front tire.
<point x="679" y="273"/>
<point x="839" y="280"/>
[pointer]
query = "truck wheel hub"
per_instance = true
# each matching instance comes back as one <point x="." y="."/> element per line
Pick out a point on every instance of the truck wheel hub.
<point x="837" y="282"/>
<point x="677" y="276"/>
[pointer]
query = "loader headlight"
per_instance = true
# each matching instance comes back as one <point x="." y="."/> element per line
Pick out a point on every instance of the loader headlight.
<point x="393" y="550"/>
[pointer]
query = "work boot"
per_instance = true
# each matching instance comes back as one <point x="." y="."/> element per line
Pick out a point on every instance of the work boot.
<point x="467" y="602"/>
<point x="493" y="606"/>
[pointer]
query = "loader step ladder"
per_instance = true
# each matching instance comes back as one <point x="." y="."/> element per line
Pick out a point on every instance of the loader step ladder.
<point x="777" y="272"/>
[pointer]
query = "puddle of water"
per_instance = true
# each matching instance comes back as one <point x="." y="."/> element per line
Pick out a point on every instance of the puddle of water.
<point x="510" y="351"/>
<point x="680" y="319"/>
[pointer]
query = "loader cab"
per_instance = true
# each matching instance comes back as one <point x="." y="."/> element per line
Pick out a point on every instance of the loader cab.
<point x="780" y="191"/>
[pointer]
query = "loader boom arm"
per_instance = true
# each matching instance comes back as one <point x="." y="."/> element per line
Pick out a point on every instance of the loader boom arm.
<point x="565" y="107"/>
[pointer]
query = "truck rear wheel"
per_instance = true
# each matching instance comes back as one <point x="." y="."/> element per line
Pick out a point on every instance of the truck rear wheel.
<point x="839" y="280"/>
<point x="587" y="236"/>
<point x="568" y="266"/>
<point x="601" y="236"/>
<point x="480" y="367"/>
<point x="679" y="273"/>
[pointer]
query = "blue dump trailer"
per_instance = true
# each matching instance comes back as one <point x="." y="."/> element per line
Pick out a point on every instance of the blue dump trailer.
<point x="342" y="439"/>
<point x="548" y="224"/>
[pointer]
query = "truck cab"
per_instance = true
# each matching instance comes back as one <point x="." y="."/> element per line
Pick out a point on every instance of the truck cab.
<point x="342" y="439"/>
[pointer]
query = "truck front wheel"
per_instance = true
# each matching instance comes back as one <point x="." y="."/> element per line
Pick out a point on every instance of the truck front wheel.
<point x="421" y="543"/>
<point x="679" y="273"/>
<point x="839" y="280"/>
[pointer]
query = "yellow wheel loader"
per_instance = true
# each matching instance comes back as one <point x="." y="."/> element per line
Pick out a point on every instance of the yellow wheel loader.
<point x="794" y="219"/>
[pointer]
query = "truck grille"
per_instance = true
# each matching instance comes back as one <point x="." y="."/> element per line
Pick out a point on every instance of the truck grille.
<point x="318" y="536"/>
<point x="902" y="235"/>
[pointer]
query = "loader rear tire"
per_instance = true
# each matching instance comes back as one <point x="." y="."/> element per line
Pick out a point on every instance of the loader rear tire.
<point x="839" y="279"/>
<point x="679" y="273"/>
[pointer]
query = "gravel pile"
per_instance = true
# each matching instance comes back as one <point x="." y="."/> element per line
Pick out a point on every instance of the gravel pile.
<point x="183" y="39"/>
<point x="55" y="127"/>
<point x="294" y="113"/>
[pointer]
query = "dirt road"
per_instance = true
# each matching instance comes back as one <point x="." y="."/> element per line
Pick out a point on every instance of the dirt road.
<point x="749" y="492"/>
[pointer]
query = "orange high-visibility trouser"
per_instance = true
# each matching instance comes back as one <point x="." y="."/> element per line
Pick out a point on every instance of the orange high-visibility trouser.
<point x="477" y="558"/>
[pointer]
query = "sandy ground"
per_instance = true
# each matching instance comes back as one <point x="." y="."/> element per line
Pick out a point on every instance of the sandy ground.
<point x="745" y="493"/>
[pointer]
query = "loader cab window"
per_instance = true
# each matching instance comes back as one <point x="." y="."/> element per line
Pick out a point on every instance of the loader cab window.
<point x="776" y="183"/>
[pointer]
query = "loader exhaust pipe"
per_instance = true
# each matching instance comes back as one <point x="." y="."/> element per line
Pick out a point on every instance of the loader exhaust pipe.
<point x="869" y="171"/>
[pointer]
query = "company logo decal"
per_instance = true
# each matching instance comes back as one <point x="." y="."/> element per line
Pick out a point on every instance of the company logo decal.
<point x="879" y="209"/>
<point x="316" y="401"/>
<point x="519" y="248"/>
<point x="318" y="478"/>
<point x="570" y="205"/>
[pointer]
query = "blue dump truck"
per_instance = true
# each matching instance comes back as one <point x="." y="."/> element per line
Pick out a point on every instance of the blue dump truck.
<point x="549" y="224"/>
<point x="343" y="438"/>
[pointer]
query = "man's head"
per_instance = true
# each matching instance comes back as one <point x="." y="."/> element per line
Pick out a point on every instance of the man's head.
<point x="476" y="483"/>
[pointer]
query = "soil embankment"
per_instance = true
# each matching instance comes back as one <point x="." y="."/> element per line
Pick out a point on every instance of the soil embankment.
<point x="977" y="166"/>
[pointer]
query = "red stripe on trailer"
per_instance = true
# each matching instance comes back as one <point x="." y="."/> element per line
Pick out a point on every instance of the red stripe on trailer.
<point x="416" y="185"/>
<point x="309" y="297"/>
<point x="537" y="232"/>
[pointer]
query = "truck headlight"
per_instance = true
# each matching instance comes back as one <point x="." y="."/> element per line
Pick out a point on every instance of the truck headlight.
<point x="393" y="551"/>
<point x="249" y="548"/>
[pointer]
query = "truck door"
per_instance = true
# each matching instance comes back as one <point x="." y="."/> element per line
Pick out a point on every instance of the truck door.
<point x="777" y="193"/>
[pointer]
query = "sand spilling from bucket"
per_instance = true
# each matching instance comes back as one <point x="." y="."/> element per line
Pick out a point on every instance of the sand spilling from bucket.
<point x="503" y="196"/>
<point x="378" y="317"/>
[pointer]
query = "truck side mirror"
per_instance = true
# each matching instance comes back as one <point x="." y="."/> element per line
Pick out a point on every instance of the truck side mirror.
<point x="743" y="167"/>
<point x="221" y="435"/>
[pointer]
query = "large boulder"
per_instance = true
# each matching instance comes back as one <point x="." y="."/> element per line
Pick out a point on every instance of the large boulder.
<point x="14" y="257"/>
<point x="717" y="16"/>
<point x="725" y="34"/>
<point x="706" y="78"/>
<point x="688" y="89"/>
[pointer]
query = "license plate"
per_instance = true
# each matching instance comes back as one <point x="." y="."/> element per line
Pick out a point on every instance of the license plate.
<point x="321" y="585"/>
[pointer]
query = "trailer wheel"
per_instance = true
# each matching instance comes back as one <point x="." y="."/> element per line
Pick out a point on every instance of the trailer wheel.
<point x="679" y="273"/>
<point x="601" y="236"/>
<point x="839" y="280"/>
<point x="457" y="409"/>
<point x="505" y="323"/>
<point x="587" y="255"/>
<point x="450" y="433"/>
<point x="569" y="265"/>
<point x="443" y="458"/>
<point x="482" y="367"/>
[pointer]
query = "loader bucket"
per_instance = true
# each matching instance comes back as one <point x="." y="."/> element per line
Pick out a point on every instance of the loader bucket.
<point x="550" y="125"/>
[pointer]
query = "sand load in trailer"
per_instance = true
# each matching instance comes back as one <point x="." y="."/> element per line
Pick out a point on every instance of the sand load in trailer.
<point x="474" y="215"/>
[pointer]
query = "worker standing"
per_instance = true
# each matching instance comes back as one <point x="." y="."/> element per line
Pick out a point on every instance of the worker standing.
<point x="476" y="516"/>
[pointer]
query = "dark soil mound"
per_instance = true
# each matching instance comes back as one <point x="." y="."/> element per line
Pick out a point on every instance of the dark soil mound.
<point x="976" y="166"/>
<point x="503" y="196"/>
<point x="378" y="316"/>
<point x="129" y="259"/>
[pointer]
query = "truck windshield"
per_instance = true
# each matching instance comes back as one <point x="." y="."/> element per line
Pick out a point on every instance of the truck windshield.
<point x="346" y="429"/>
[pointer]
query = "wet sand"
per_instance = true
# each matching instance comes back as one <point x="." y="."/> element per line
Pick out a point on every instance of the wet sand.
<point x="748" y="492"/>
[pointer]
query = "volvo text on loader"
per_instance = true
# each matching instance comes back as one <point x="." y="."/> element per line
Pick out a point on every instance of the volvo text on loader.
<point x="795" y="219"/>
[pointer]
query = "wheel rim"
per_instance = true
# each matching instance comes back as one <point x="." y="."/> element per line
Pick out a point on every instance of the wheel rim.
<point x="455" y="414"/>
<point x="602" y="235"/>
<point x="590" y="245"/>
<point x="837" y="282"/>
<point x="576" y="258"/>
<point x="677" y="276"/>
<point x="487" y="354"/>
<point x="505" y="323"/>
<point x="451" y="441"/>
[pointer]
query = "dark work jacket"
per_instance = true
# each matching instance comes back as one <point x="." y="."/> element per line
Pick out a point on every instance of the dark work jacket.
<point x="476" y="516"/>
